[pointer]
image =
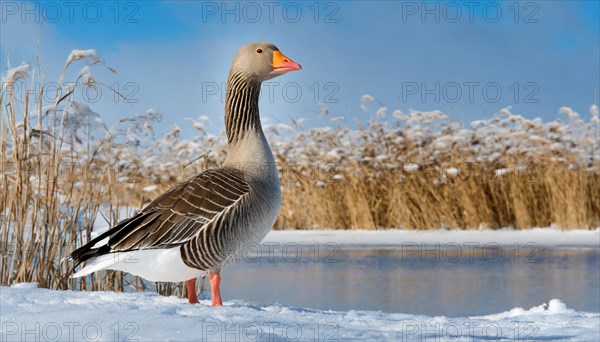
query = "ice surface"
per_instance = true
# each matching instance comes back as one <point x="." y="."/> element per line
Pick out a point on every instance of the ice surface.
<point x="394" y="238"/>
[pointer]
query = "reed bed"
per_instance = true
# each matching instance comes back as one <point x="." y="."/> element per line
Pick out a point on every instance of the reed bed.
<point x="63" y="168"/>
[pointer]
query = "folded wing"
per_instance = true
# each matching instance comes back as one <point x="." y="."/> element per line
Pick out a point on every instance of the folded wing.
<point x="173" y="218"/>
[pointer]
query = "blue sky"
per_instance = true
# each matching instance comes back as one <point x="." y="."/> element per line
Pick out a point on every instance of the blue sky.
<point x="468" y="59"/>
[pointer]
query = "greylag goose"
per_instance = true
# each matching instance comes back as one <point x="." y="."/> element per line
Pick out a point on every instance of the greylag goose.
<point x="197" y="225"/>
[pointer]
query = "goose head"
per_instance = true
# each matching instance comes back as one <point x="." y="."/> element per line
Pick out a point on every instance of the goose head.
<point x="262" y="61"/>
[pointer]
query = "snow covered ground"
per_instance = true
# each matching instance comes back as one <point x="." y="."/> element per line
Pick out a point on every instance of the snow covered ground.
<point x="30" y="313"/>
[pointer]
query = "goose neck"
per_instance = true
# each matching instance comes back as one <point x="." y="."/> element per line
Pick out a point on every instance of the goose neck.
<point x="241" y="107"/>
<point x="247" y="146"/>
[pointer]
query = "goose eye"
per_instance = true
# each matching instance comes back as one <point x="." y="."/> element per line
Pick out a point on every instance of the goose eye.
<point x="259" y="50"/>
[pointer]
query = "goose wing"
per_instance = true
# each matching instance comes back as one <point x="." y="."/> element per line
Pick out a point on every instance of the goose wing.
<point x="173" y="218"/>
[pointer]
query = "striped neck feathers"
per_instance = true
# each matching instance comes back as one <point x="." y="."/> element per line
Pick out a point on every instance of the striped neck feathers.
<point x="241" y="107"/>
<point x="247" y="147"/>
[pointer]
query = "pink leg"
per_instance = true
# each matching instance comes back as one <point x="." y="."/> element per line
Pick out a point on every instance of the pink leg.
<point x="191" y="291"/>
<point x="215" y="283"/>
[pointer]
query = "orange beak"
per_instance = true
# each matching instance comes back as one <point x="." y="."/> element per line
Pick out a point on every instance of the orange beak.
<point x="283" y="64"/>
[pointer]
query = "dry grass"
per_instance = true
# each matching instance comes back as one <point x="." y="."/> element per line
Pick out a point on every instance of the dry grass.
<point x="551" y="195"/>
<point x="62" y="167"/>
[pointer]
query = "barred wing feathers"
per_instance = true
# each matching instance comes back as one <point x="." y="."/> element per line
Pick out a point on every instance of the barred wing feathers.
<point x="175" y="217"/>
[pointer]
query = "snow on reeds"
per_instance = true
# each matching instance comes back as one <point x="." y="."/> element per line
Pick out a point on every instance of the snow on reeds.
<point x="63" y="167"/>
<point x="422" y="170"/>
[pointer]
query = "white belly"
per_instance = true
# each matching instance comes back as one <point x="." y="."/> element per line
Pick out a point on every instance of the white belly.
<point x="152" y="264"/>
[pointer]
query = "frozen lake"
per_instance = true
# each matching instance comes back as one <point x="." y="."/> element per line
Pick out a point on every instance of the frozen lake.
<point x="450" y="279"/>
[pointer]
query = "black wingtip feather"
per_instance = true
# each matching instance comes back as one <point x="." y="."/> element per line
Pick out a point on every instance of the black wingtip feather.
<point x="87" y="251"/>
